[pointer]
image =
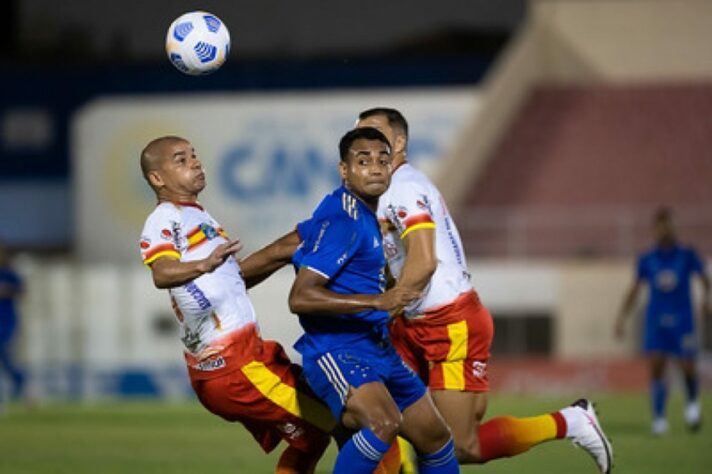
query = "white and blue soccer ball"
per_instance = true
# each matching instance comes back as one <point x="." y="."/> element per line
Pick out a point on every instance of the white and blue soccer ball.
<point x="197" y="43"/>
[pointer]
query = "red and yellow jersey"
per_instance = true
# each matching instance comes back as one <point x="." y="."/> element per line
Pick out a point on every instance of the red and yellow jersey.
<point x="213" y="304"/>
<point x="413" y="202"/>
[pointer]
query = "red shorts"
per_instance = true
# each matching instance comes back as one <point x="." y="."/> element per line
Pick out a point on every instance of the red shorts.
<point x="243" y="378"/>
<point x="449" y="347"/>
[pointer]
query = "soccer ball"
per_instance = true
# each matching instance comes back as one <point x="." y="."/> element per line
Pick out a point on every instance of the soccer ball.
<point x="197" y="43"/>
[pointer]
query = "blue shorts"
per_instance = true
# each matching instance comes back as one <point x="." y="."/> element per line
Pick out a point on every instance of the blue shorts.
<point x="332" y="373"/>
<point x="670" y="334"/>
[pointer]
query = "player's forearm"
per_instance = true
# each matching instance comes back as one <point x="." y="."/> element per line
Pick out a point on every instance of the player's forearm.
<point x="258" y="266"/>
<point x="416" y="275"/>
<point x="319" y="300"/>
<point x="174" y="273"/>
<point x="629" y="302"/>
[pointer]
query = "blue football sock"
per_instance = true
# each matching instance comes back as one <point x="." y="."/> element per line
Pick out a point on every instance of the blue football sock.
<point x="361" y="453"/>
<point x="658" y="397"/>
<point x="692" y="385"/>
<point x="441" y="461"/>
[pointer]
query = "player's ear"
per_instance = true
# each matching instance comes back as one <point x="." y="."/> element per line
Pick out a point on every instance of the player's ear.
<point x="155" y="178"/>
<point x="399" y="145"/>
<point x="342" y="170"/>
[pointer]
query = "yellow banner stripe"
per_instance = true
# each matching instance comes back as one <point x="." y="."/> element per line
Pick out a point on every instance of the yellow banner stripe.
<point x="453" y="373"/>
<point x="423" y="225"/>
<point x="165" y="253"/>
<point x="287" y="397"/>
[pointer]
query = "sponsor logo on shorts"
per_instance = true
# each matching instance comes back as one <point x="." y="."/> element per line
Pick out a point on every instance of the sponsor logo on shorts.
<point x="479" y="369"/>
<point x="291" y="430"/>
<point x="211" y="364"/>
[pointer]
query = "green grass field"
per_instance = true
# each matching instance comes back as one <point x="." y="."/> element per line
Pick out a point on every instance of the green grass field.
<point x="166" y="438"/>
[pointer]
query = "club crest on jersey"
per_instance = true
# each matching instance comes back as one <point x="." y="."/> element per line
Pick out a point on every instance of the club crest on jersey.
<point x="209" y="231"/>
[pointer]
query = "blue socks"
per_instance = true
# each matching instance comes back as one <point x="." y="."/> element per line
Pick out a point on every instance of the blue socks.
<point x="658" y="397"/>
<point x="441" y="461"/>
<point x="360" y="454"/>
<point x="692" y="385"/>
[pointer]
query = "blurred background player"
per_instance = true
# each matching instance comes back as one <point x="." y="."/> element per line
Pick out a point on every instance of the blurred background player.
<point x="669" y="329"/>
<point x="10" y="290"/>
<point x="235" y="374"/>
<point x="445" y="336"/>
<point x="339" y="296"/>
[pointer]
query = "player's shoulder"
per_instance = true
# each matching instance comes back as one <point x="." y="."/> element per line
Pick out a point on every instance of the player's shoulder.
<point x="339" y="206"/>
<point x="164" y="211"/>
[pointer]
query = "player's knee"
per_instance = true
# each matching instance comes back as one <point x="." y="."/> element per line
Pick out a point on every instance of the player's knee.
<point x="437" y="436"/>
<point x="467" y="450"/>
<point x="385" y="425"/>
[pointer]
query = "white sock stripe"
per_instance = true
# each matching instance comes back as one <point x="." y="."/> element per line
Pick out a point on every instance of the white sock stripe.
<point x="365" y="447"/>
<point x="333" y="378"/>
<point x="337" y="373"/>
<point x="441" y="460"/>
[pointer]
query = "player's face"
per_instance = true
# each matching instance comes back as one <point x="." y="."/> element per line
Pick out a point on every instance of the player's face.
<point x="664" y="230"/>
<point x="367" y="168"/>
<point x="181" y="171"/>
<point x="380" y="123"/>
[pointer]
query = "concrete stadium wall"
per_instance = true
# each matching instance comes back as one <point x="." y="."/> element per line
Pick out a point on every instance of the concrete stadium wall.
<point x="579" y="41"/>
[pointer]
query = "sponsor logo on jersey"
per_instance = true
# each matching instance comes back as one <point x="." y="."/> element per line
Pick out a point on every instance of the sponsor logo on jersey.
<point x="166" y="234"/>
<point x="144" y="243"/>
<point x="211" y="364"/>
<point x="402" y="212"/>
<point x="197" y="295"/>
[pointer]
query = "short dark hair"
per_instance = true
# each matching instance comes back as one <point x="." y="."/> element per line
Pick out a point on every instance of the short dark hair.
<point x="366" y="133"/>
<point x="662" y="213"/>
<point x="395" y="118"/>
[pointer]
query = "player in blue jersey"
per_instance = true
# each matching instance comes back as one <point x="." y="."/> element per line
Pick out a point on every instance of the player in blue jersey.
<point x="10" y="290"/>
<point x="339" y="296"/>
<point x="669" y="329"/>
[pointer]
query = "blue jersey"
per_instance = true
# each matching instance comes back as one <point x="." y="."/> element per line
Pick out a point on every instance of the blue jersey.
<point x="342" y="241"/>
<point x="11" y="283"/>
<point x="668" y="272"/>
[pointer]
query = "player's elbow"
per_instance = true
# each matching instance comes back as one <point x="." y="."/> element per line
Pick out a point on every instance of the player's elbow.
<point x="160" y="282"/>
<point x="296" y="302"/>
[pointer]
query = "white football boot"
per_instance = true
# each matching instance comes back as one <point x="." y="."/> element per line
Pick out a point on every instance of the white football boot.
<point x="584" y="430"/>
<point x="693" y="415"/>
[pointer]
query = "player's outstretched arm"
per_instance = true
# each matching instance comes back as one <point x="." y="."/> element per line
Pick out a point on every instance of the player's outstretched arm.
<point x="259" y="265"/>
<point x="170" y="272"/>
<point x="706" y="294"/>
<point x="628" y="303"/>
<point x="309" y="295"/>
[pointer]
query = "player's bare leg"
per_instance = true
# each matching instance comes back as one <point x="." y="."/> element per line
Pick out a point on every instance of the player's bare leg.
<point x="505" y="436"/>
<point x="463" y="413"/>
<point x="426" y="430"/>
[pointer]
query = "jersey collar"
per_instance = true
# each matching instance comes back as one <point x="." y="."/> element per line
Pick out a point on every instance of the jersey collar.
<point x="195" y="204"/>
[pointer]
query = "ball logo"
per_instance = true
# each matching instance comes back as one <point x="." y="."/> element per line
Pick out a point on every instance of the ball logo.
<point x="182" y="30"/>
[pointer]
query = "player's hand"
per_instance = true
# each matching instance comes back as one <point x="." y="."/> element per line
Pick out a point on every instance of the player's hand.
<point x="396" y="298"/>
<point x="221" y="253"/>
